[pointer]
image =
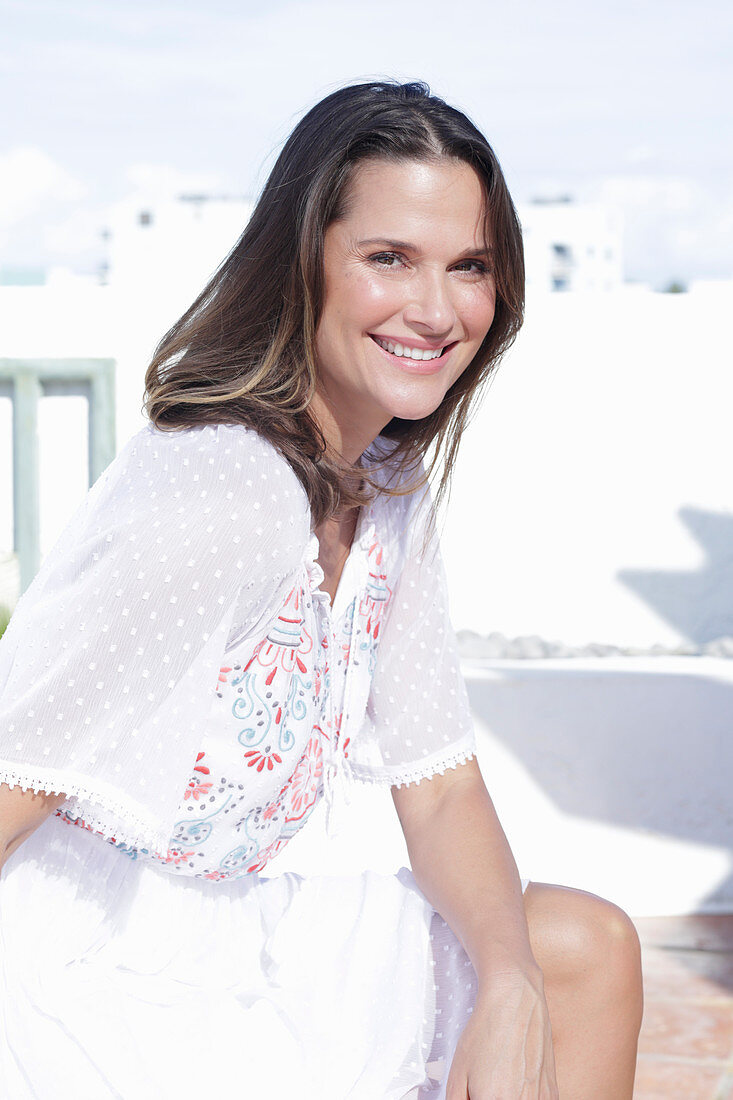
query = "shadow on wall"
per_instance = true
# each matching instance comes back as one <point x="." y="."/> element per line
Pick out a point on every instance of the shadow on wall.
<point x="698" y="604"/>
<point x="625" y="746"/>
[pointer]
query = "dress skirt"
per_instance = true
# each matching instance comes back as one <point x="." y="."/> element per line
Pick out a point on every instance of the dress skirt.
<point x="120" y="979"/>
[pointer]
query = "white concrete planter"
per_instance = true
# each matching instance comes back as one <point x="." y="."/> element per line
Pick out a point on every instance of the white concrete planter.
<point x="614" y="775"/>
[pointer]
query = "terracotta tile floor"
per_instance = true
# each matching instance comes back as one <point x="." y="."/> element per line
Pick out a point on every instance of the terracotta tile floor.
<point x="686" y="1042"/>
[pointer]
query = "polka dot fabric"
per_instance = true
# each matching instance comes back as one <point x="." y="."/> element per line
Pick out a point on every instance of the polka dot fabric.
<point x="181" y="605"/>
<point x="177" y="670"/>
<point x="418" y="719"/>
<point x="110" y="660"/>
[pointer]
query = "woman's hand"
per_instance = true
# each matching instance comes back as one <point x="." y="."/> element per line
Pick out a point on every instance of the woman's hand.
<point x="505" y="1051"/>
<point x="463" y="864"/>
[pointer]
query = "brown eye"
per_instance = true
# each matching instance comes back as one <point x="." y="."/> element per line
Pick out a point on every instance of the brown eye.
<point x="386" y="259"/>
<point x="479" y="268"/>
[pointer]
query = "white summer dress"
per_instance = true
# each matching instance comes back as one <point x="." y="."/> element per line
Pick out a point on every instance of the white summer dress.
<point x="175" y="669"/>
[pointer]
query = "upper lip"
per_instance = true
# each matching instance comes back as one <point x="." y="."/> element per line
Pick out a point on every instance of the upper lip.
<point x="412" y="341"/>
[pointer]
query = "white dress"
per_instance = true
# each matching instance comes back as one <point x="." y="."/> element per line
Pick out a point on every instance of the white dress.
<point x="175" y="669"/>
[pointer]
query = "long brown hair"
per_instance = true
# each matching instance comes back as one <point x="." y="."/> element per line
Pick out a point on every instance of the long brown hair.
<point x="244" y="350"/>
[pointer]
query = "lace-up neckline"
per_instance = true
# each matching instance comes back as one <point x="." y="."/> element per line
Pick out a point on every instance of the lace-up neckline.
<point x="360" y="544"/>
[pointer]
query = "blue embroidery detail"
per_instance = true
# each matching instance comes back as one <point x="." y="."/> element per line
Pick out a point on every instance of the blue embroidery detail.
<point x="194" y="832"/>
<point x="252" y="736"/>
<point x="236" y="859"/>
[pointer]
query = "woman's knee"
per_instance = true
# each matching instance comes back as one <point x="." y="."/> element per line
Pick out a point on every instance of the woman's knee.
<point x="578" y="936"/>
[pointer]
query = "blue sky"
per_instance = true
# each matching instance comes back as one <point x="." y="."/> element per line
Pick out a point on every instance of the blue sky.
<point x="626" y="103"/>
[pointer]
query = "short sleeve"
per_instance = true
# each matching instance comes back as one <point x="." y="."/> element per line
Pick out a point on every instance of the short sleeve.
<point x="109" y="664"/>
<point x="418" y="719"/>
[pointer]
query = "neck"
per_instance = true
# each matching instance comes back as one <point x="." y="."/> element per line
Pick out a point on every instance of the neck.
<point x="345" y="437"/>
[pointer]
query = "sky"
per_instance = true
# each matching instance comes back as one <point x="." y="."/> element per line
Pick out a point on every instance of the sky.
<point x="627" y="104"/>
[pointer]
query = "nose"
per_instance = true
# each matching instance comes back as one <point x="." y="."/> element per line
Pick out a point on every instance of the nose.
<point x="431" y="311"/>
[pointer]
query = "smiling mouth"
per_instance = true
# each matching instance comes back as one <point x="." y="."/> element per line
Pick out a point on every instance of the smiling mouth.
<point x="404" y="351"/>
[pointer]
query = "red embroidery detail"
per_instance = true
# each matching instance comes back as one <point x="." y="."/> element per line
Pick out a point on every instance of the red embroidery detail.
<point x="201" y="767"/>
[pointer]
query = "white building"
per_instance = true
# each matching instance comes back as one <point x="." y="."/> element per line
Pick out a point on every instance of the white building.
<point x="172" y="245"/>
<point x="180" y="242"/>
<point x="571" y="246"/>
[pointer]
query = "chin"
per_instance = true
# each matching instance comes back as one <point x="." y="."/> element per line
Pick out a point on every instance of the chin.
<point x="414" y="410"/>
<point x="412" y="415"/>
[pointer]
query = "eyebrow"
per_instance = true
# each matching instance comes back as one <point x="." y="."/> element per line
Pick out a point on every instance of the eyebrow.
<point x="405" y="246"/>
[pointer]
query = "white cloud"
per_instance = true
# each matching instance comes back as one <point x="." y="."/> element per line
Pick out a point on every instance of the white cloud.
<point x="652" y="193"/>
<point x="162" y="181"/>
<point x="30" y="181"/>
<point x="47" y="216"/>
<point x="640" y="154"/>
<point x="675" y="226"/>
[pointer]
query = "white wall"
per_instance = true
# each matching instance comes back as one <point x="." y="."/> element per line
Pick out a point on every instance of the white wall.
<point x="593" y="498"/>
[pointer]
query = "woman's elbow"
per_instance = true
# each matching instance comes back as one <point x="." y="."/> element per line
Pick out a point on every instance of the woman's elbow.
<point x="21" y="812"/>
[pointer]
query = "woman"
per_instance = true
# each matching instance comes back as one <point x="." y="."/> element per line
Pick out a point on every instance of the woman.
<point x="247" y="612"/>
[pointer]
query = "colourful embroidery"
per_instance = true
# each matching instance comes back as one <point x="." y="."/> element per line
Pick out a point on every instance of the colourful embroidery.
<point x="272" y="707"/>
<point x="373" y="605"/>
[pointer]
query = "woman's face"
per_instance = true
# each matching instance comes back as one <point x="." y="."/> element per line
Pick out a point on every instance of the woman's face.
<point x="409" y="297"/>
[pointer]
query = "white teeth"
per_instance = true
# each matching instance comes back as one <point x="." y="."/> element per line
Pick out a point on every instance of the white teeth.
<point x="408" y="353"/>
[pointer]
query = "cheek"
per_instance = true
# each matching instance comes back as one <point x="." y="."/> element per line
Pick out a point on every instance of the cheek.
<point x="370" y="300"/>
<point x="478" y="313"/>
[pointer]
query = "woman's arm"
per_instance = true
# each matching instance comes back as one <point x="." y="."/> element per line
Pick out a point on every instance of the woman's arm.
<point x="20" y="813"/>
<point x="462" y="862"/>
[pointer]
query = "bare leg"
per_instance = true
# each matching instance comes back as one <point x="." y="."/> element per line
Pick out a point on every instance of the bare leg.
<point x="588" y="950"/>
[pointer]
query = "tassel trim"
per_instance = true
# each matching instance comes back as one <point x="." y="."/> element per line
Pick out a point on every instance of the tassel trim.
<point x="130" y="827"/>
<point x="424" y="769"/>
